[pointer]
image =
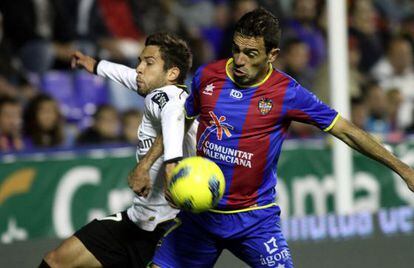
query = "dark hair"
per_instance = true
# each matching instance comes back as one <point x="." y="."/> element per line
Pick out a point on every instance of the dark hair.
<point x="291" y="42"/>
<point x="260" y="23"/>
<point x="174" y="52"/>
<point x="130" y="112"/>
<point x="32" y="128"/>
<point x="7" y="100"/>
<point x="102" y="108"/>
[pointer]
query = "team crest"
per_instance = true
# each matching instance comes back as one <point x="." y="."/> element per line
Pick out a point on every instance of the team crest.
<point x="265" y="105"/>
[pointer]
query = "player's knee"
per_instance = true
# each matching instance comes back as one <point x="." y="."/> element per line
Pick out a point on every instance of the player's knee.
<point x="53" y="259"/>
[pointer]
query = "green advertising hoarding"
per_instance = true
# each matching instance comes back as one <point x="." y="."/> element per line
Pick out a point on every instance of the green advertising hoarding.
<point x="52" y="195"/>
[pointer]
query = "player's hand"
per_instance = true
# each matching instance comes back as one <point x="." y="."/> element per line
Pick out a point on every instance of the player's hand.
<point x="82" y="61"/>
<point x="139" y="181"/>
<point x="168" y="172"/>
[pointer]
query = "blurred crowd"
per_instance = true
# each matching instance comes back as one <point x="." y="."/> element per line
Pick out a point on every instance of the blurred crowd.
<point x="44" y="104"/>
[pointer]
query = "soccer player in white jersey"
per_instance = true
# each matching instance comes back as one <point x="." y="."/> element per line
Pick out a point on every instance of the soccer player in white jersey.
<point x="129" y="238"/>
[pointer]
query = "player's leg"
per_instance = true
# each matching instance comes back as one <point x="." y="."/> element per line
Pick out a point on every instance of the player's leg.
<point x="71" y="253"/>
<point x="263" y="245"/>
<point x="188" y="245"/>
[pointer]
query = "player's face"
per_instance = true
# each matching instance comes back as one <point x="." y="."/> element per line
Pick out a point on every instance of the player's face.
<point x="150" y="70"/>
<point x="250" y="60"/>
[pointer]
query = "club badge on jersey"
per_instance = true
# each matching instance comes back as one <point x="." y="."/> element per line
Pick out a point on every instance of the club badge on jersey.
<point x="161" y="99"/>
<point x="265" y="105"/>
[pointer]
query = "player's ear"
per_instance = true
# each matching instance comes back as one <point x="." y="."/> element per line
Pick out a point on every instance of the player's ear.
<point x="173" y="73"/>
<point x="272" y="55"/>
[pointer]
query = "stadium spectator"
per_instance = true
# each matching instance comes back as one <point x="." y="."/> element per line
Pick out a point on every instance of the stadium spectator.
<point x="38" y="31"/>
<point x="237" y="10"/>
<point x="87" y="22"/>
<point x="10" y="125"/>
<point x="131" y="119"/>
<point x="296" y="57"/>
<point x="123" y="42"/>
<point x="364" y="29"/>
<point x="43" y="123"/>
<point x="394" y="11"/>
<point x="407" y="27"/>
<point x="104" y="130"/>
<point x="13" y="80"/>
<point x="321" y="85"/>
<point x="395" y="70"/>
<point x="303" y="25"/>
<point x="376" y="105"/>
<point x="359" y="113"/>
<point x="394" y="102"/>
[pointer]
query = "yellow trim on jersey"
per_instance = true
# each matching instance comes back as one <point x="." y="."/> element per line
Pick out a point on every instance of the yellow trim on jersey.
<point x="175" y="226"/>
<point x="255" y="85"/>
<point x="189" y="117"/>
<point x="332" y="124"/>
<point x="242" y="210"/>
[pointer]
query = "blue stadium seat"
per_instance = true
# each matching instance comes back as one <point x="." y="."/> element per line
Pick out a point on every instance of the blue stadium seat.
<point x="59" y="84"/>
<point x="90" y="91"/>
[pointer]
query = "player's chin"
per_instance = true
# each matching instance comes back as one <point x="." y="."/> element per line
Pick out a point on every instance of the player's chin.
<point x="142" y="91"/>
<point x="242" y="80"/>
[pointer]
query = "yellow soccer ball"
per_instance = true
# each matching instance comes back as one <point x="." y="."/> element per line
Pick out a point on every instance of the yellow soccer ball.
<point x="197" y="184"/>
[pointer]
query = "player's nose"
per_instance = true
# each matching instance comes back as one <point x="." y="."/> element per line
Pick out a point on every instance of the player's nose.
<point x="140" y="68"/>
<point x="239" y="60"/>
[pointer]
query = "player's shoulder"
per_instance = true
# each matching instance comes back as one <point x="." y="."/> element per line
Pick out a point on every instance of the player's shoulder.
<point x="278" y="78"/>
<point x="163" y="95"/>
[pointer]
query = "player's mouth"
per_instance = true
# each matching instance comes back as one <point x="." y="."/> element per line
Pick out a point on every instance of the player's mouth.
<point x="238" y="72"/>
<point x="139" y="82"/>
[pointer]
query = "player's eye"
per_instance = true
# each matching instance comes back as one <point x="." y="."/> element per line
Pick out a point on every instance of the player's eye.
<point x="251" y="54"/>
<point x="235" y="49"/>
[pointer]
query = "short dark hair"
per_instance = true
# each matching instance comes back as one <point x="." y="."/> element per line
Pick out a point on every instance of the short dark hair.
<point x="4" y="100"/>
<point x="102" y="108"/>
<point x="174" y="52"/>
<point x="260" y="23"/>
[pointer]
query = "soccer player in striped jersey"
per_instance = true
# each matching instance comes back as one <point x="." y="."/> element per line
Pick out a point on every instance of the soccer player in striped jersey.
<point x="244" y="107"/>
<point x="129" y="238"/>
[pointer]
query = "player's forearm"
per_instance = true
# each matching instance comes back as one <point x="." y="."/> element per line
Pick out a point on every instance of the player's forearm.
<point x="118" y="73"/>
<point x="367" y="145"/>
<point x="153" y="153"/>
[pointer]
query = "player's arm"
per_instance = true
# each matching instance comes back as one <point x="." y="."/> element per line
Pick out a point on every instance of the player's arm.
<point x="113" y="71"/>
<point x="173" y="125"/>
<point x="367" y="145"/>
<point x="139" y="179"/>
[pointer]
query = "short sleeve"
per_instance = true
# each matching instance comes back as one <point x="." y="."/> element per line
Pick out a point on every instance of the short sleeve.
<point x="305" y="107"/>
<point x="192" y="104"/>
<point x="172" y="122"/>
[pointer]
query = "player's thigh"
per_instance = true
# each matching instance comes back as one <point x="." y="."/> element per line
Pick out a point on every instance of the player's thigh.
<point x="264" y="246"/>
<point x="186" y="245"/>
<point x="72" y="253"/>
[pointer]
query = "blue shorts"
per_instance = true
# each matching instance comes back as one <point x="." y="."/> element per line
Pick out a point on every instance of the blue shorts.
<point x="253" y="236"/>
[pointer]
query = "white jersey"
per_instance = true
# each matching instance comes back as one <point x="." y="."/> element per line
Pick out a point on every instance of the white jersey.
<point x="163" y="113"/>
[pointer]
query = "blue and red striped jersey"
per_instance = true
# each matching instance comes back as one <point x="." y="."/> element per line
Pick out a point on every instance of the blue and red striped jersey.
<point x="242" y="129"/>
